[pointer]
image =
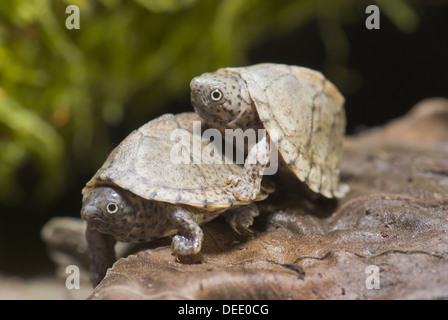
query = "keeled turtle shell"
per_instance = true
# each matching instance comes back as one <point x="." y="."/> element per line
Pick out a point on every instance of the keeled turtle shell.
<point x="141" y="164"/>
<point x="303" y="114"/>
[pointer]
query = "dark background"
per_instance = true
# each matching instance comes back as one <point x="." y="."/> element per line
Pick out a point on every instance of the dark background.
<point x="397" y="70"/>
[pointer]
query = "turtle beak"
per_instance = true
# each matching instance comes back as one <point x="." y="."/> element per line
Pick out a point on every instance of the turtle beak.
<point x="90" y="215"/>
<point x="195" y="84"/>
<point x="195" y="92"/>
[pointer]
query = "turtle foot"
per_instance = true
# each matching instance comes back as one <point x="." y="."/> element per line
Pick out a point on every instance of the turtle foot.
<point x="241" y="218"/>
<point x="244" y="188"/>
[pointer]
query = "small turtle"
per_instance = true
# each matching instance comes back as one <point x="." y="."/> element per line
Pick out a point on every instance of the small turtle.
<point x="301" y="111"/>
<point x="140" y="193"/>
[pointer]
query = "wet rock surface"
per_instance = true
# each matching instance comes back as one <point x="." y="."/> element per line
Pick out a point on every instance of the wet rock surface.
<point x="395" y="219"/>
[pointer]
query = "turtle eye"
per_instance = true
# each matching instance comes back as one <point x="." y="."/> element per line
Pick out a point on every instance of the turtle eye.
<point x="216" y="95"/>
<point x="112" y="208"/>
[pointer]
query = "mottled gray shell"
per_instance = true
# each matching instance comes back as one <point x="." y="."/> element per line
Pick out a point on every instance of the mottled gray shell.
<point x="303" y="114"/>
<point x="141" y="164"/>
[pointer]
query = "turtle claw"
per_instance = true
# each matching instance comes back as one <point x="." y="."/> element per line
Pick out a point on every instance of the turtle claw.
<point x="233" y="180"/>
<point x="241" y="218"/>
<point x="247" y="229"/>
<point x="176" y="254"/>
<point x="231" y="222"/>
<point x="236" y="228"/>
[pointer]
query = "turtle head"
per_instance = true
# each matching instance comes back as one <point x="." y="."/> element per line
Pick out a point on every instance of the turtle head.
<point x="108" y="211"/>
<point x="222" y="100"/>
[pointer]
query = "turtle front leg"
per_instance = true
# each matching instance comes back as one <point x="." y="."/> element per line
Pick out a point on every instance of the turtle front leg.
<point x="190" y="236"/>
<point x="102" y="254"/>
<point x="246" y="186"/>
<point x="241" y="217"/>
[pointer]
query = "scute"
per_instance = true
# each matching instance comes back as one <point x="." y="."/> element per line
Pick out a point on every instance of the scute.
<point x="303" y="113"/>
<point x="141" y="164"/>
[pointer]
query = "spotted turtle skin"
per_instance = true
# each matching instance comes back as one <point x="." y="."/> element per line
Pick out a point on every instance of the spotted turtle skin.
<point x="140" y="194"/>
<point x="301" y="111"/>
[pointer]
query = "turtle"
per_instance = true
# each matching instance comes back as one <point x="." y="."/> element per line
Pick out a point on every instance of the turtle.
<point x="301" y="112"/>
<point x="142" y="193"/>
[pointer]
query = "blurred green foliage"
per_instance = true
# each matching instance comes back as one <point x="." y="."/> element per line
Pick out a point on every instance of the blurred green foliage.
<point x="61" y="91"/>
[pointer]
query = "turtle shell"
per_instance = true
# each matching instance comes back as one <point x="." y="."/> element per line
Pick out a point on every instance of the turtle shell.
<point x="142" y="165"/>
<point x="304" y="116"/>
